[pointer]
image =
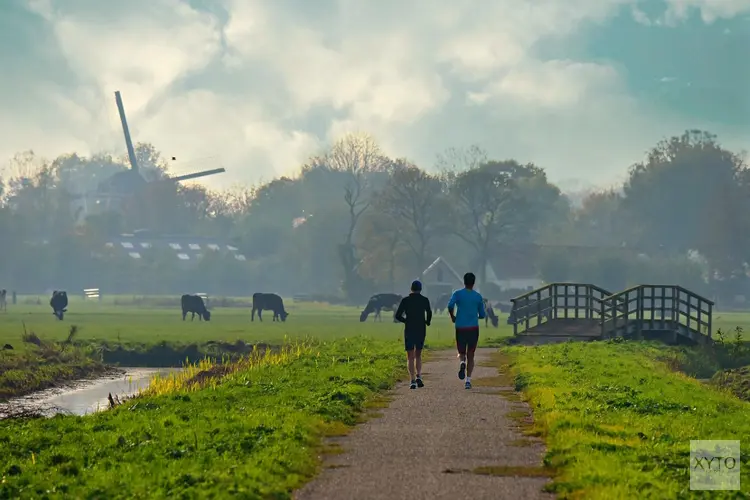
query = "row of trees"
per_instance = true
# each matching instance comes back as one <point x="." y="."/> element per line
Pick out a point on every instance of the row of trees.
<point x="355" y="220"/>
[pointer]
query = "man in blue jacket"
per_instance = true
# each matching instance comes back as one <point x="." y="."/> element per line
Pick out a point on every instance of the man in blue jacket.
<point x="470" y="311"/>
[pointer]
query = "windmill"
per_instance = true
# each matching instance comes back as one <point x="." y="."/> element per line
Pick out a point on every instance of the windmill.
<point x="111" y="192"/>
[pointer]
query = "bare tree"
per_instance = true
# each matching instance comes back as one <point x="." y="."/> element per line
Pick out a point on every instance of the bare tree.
<point x="356" y="155"/>
<point x="414" y="199"/>
<point x="453" y="161"/>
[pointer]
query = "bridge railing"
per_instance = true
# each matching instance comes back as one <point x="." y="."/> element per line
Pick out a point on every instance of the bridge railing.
<point x="620" y="309"/>
<point x="656" y="307"/>
<point x="556" y="301"/>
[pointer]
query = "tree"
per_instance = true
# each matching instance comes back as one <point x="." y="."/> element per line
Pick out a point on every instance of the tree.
<point x="381" y="240"/>
<point x="414" y="200"/>
<point x="356" y="155"/>
<point x="453" y="161"/>
<point x="485" y="214"/>
<point x="689" y="194"/>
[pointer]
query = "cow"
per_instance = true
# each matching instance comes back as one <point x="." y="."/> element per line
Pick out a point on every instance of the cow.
<point x="59" y="303"/>
<point x="268" y="302"/>
<point x="441" y="304"/>
<point x="378" y="302"/>
<point x="3" y="300"/>
<point x="531" y="309"/>
<point x="490" y="316"/>
<point x="194" y="304"/>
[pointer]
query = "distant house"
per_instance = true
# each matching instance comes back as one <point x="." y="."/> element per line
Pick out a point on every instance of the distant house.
<point x="514" y="267"/>
<point x="440" y="278"/>
<point x="185" y="248"/>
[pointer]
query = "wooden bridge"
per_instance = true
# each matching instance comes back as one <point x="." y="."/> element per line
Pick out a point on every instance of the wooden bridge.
<point x="582" y="311"/>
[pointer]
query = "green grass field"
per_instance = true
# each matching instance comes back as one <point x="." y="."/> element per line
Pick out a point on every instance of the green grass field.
<point x="131" y="335"/>
<point x="128" y="324"/>
<point x="617" y="417"/>
<point x="618" y="423"/>
<point x="253" y="434"/>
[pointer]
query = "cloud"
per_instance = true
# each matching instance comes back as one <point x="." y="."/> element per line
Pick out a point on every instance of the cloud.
<point x="259" y="86"/>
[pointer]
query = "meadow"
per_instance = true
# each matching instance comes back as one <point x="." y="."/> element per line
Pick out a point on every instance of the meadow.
<point x="618" y="421"/>
<point x="128" y="324"/>
<point x="254" y="433"/>
<point x="617" y="417"/>
<point x="138" y="331"/>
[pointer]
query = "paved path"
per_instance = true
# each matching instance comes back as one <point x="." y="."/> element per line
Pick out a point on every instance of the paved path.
<point x="425" y="432"/>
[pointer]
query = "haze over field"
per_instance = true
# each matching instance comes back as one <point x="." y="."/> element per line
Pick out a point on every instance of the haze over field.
<point x="581" y="87"/>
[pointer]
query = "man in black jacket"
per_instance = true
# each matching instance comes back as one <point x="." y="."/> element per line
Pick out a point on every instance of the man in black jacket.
<point x="418" y="316"/>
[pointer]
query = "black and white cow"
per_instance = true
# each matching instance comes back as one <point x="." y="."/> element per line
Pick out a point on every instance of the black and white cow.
<point x="379" y="302"/>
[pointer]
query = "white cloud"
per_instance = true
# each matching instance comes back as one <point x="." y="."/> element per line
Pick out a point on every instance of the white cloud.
<point x="261" y="88"/>
<point x="711" y="10"/>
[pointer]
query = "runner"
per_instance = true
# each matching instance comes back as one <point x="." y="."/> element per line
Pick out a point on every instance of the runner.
<point x="418" y="316"/>
<point x="470" y="311"/>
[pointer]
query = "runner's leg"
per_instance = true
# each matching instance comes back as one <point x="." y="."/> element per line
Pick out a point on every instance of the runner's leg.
<point x="418" y="361"/>
<point x="461" y="347"/>
<point x="472" y="339"/>
<point x="410" y="355"/>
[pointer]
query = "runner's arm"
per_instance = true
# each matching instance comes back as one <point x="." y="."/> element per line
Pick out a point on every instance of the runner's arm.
<point x="400" y="311"/>
<point x="482" y="312"/>
<point x="451" y="305"/>
<point x="428" y="311"/>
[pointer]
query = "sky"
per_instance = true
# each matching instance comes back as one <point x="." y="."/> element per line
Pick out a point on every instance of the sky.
<point x="580" y="87"/>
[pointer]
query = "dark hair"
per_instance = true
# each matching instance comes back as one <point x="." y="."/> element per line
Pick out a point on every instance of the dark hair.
<point x="416" y="286"/>
<point x="469" y="279"/>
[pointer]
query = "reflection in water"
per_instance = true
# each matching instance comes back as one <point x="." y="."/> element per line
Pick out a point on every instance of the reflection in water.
<point x="88" y="396"/>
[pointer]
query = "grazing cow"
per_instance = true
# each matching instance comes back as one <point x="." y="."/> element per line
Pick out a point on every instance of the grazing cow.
<point x="531" y="309"/>
<point x="268" y="302"/>
<point x="378" y="302"/>
<point x="490" y="316"/>
<point x="59" y="303"/>
<point x="441" y="304"/>
<point x="194" y="304"/>
<point x="3" y="300"/>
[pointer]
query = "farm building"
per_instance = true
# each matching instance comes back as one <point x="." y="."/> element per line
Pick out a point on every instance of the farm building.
<point x="440" y="278"/>
<point x="185" y="248"/>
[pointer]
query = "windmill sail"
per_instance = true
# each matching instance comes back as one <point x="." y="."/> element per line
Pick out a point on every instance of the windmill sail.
<point x="126" y="131"/>
<point x="195" y="175"/>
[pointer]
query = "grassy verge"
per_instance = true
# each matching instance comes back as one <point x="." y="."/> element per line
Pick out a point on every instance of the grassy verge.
<point x="249" y="429"/>
<point x="618" y="422"/>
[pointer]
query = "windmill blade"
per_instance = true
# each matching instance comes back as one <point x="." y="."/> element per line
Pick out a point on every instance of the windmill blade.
<point x="126" y="131"/>
<point x="195" y="175"/>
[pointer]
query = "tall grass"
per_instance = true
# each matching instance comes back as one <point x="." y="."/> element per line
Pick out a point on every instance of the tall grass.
<point x="618" y="422"/>
<point x="248" y="429"/>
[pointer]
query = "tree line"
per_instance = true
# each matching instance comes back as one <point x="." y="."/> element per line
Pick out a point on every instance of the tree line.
<point x="354" y="221"/>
